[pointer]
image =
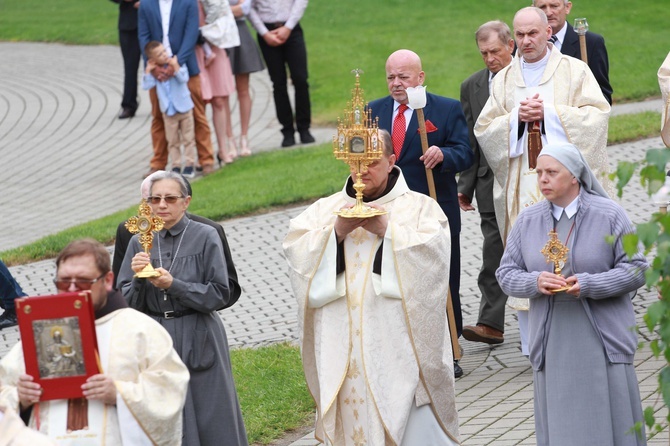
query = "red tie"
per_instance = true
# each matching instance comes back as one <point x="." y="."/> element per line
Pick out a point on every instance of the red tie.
<point x="399" y="130"/>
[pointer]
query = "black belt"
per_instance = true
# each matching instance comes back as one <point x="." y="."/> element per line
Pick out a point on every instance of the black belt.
<point x="274" y="25"/>
<point x="171" y="314"/>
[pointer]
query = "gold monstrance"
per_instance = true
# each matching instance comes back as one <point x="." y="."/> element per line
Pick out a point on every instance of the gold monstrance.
<point x="145" y="224"/>
<point x="556" y="252"/>
<point x="357" y="144"/>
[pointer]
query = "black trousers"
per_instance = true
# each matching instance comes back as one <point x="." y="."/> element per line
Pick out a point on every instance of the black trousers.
<point x="294" y="54"/>
<point x="130" y="50"/>
<point x="492" y="305"/>
<point x="455" y="279"/>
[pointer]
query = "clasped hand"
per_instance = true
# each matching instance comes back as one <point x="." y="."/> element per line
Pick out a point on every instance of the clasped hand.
<point x="532" y="109"/>
<point x="547" y="282"/>
<point x="277" y="36"/>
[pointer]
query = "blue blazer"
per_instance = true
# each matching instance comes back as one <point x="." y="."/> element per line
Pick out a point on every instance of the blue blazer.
<point x="183" y="33"/>
<point x="451" y="136"/>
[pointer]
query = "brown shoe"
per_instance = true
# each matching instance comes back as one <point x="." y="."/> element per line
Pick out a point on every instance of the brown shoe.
<point x="483" y="333"/>
<point x="206" y="170"/>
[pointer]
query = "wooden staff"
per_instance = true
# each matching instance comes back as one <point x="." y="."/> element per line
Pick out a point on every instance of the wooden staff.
<point x="455" y="346"/>
<point x="581" y="26"/>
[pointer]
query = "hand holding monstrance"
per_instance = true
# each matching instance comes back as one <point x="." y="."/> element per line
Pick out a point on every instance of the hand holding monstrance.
<point x="145" y="224"/>
<point x="557" y="253"/>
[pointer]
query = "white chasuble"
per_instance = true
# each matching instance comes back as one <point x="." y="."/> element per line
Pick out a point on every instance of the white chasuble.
<point x="361" y="423"/>
<point x="575" y="111"/>
<point x="151" y="382"/>
<point x="376" y="348"/>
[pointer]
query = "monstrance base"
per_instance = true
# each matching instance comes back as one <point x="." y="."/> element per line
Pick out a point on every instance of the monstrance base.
<point x="359" y="212"/>
<point x="148" y="272"/>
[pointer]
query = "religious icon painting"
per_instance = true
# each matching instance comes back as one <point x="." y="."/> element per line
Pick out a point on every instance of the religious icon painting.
<point x="60" y="347"/>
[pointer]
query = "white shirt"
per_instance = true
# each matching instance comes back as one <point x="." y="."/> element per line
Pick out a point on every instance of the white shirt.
<point x="288" y="12"/>
<point x="166" y="8"/>
<point x="533" y="71"/>
<point x="560" y="36"/>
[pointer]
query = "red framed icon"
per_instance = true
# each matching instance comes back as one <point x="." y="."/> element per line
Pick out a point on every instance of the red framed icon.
<point x="60" y="347"/>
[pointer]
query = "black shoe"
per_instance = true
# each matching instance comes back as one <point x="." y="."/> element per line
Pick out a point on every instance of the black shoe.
<point x="458" y="371"/>
<point x="126" y="113"/>
<point x="306" y="137"/>
<point x="288" y="141"/>
<point x="8" y="319"/>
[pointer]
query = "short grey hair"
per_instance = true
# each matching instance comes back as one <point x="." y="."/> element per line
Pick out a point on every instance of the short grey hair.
<point x="494" y="26"/>
<point x="538" y="11"/>
<point x="167" y="175"/>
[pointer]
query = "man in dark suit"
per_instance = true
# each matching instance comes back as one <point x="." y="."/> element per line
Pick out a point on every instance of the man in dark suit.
<point x="567" y="41"/>
<point x="123" y="237"/>
<point x="180" y="40"/>
<point x="496" y="46"/>
<point x="448" y="153"/>
<point x="131" y="52"/>
<point x="282" y="42"/>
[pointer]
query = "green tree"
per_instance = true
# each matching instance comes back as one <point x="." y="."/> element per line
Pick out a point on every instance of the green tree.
<point x="654" y="235"/>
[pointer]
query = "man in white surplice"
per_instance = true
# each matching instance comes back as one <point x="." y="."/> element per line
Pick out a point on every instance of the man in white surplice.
<point x="543" y="97"/>
<point x="371" y="295"/>
<point x="139" y="397"/>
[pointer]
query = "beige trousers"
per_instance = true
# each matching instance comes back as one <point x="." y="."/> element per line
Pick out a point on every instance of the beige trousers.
<point x="180" y="123"/>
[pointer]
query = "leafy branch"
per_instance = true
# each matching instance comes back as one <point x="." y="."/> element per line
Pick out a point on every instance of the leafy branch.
<point x="654" y="235"/>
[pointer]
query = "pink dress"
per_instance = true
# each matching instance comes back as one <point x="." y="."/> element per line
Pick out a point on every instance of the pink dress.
<point x="216" y="79"/>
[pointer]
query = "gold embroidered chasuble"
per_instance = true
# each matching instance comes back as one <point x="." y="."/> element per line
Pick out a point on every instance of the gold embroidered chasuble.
<point x="150" y="379"/>
<point x="374" y="345"/>
<point x="575" y="112"/>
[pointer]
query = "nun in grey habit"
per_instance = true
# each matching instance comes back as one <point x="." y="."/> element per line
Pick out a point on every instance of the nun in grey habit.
<point x="193" y="284"/>
<point x="582" y="339"/>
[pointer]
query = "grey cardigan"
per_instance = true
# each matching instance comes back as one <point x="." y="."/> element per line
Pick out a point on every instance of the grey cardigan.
<point x="607" y="277"/>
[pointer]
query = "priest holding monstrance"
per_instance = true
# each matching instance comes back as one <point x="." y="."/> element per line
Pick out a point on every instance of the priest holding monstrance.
<point x="368" y="267"/>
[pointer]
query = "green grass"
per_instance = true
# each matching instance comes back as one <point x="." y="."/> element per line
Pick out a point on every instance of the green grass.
<point x="624" y="128"/>
<point x="341" y="36"/>
<point x="272" y="391"/>
<point x="249" y="185"/>
<point x="346" y="34"/>
<point x="270" y="179"/>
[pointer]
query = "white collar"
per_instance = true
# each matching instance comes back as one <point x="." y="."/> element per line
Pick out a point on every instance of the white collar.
<point x="399" y="189"/>
<point x="540" y="63"/>
<point x="570" y="210"/>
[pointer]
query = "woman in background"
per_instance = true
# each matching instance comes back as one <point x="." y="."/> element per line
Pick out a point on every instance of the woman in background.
<point x="244" y="60"/>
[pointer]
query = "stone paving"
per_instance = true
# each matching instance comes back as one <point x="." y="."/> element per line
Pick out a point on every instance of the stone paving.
<point x="78" y="162"/>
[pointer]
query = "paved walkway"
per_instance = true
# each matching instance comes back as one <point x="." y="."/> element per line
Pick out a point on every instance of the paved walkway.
<point x="70" y="160"/>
